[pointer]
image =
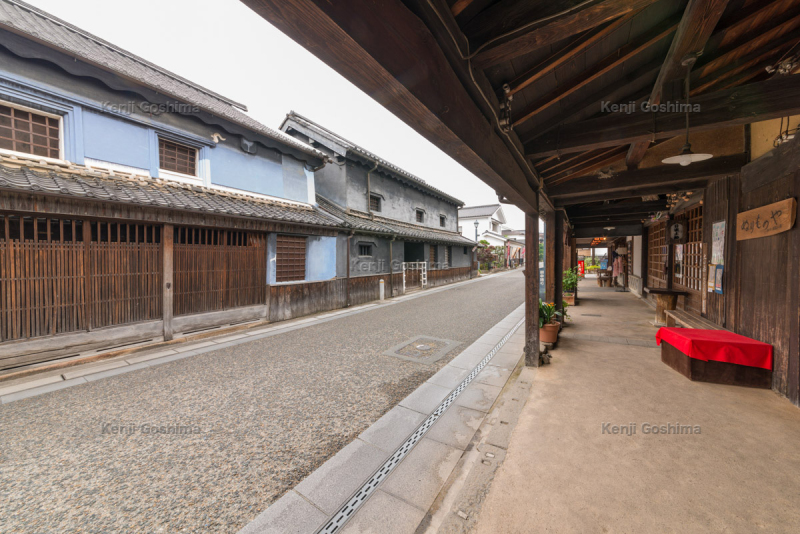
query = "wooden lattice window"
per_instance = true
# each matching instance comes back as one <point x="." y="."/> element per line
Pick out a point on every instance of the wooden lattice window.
<point x="442" y="220"/>
<point x="448" y="254"/>
<point x="177" y="158"/>
<point x="364" y="250"/>
<point x="29" y="132"/>
<point x="290" y="258"/>
<point x="657" y="255"/>
<point x="689" y="265"/>
<point x="420" y="216"/>
<point x="433" y="255"/>
<point x="374" y="203"/>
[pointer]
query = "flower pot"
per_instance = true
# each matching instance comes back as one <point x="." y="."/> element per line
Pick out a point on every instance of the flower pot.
<point x="569" y="299"/>
<point x="549" y="333"/>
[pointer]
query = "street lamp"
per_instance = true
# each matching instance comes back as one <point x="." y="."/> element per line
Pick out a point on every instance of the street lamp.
<point x="476" y="231"/>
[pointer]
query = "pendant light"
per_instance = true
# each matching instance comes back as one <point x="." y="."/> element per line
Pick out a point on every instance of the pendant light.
<point x="687" y="156"/>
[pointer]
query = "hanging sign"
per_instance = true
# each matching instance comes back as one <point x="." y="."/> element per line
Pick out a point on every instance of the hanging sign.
<point x="767" y="220"/>
<point x="581" y="265"/>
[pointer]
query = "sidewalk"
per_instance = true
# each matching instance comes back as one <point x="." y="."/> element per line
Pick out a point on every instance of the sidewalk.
<point x="564" y="474"/>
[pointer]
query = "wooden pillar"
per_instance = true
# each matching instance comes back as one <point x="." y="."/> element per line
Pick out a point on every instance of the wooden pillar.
<point x="391" y="267"/>
<point x="87" y="272"/>
<point x="550" y="256"/>
<point x="167" y="244"/>
<point x="532" y="355"/>
<point x="558" y="260"/>
<point x="644" y="254"/>
<point x="670" y="256"/>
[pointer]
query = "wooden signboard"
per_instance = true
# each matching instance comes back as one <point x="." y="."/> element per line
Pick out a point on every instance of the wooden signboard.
<point x="767" y="220"/>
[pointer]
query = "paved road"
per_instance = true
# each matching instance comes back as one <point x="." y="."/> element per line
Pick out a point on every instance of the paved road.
<point x="266" y="413"/>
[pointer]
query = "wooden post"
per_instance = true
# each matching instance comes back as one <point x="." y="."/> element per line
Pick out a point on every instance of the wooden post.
<point x="550" y="273"/>
<point x="644" y="253"/>
<point x="87" y="273"/>
<point x="532" y="355"/>
<point x="391" y="267"/>
<point x="558" y="260"/>
<point x="347" y="287"/>
<point x="167" y="243"/>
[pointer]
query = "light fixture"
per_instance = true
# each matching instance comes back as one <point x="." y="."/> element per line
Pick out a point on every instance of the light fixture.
<point x="686" y="156"/>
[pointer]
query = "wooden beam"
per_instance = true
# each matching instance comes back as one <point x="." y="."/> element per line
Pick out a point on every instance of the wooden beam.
<point x="606" y="221"/>
<point x="636" y="192"/>
<point x="558" y="296"/>
<point x="651" y="176"/>
<point x="745" y="104"/>
<point x="496" y="21"/>
<point x="618" y="231"/>
<point x="617" y="208"/>
<point x="698" y="22"/>
<point x="595" y="164"/>
<point x="606" y="93"/>
<point x="572" y="50"/>
<point x="605" y="65"/>
<point x="387" y="51"/>
<point x="570" y="162"/>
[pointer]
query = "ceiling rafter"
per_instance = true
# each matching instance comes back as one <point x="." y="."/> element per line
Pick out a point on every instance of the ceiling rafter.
<point x="697" y="24"/>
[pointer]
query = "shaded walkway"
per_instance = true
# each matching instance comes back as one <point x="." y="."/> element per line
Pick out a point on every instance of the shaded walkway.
<point x="562" y="474"/>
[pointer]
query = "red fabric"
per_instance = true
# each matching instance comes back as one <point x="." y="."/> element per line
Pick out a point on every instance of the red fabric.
<point x="718" y="346"/>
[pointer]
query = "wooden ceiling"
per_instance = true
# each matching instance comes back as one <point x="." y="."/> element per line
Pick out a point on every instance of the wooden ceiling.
<point x="514" y="89"/>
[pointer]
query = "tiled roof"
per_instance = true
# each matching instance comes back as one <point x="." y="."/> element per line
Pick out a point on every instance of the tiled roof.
<point x="28" y="20"/>
<point x="90" y="184"/>
<point x="478" y="211"/>
<point x="384" y="226"/>
<point x="350" y="146"/>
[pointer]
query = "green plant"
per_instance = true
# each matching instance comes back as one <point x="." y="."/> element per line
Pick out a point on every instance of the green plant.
<point x="570" y="281"/>
<point x="592" y="267"/>
<point x="564" y="313"/>
<point x="547" y="312"/>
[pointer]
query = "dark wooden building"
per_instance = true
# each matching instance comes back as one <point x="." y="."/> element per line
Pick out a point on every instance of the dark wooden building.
<point x="544" y="102"/>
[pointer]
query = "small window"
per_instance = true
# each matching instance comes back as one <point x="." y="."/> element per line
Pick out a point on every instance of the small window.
<point x="29" y="133"/>
<point x="174" y="157"/>
<point x="466" y="250"/>
<point x="374" y="203"/>
<point x="290" y="258"/>
<point x="433" y="254"/>
<point x="442" y="220"/>
<point x="448" y="254"/>
<point x="420" y="216"/>
<point x="364" y="250"/>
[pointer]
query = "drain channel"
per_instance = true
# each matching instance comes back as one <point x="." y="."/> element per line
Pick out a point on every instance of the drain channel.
<point x="346" y="512"/>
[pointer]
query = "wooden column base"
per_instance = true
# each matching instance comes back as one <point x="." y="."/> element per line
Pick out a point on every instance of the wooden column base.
<point x="663" y="304"/>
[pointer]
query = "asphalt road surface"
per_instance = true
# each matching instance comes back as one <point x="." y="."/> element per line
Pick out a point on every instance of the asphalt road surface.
<point x="263" y="415"/>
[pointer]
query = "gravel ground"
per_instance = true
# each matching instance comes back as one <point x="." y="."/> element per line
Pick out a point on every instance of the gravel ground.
<point x="259" y="417"/>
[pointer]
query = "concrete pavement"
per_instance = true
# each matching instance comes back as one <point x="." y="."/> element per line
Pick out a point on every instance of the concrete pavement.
<point x="738" y="471"/>
<point x="229" y="429"/>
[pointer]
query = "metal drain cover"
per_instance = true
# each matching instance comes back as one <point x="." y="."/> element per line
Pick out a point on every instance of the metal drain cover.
<point x="591" y="315"/>
<point x="422" y="349"/>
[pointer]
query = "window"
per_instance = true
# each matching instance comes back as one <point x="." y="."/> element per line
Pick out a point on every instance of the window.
<point x="173" y="157"/>
<point x="466" y="250"/>
<point x="364" y="250"/>
<point x="448" y="254"/>
<point x="433" y="255"/>
<point x="442" y="220"/>
<point x="420" y="216"/>
<point x="29" y="132"/>
<point x="290" y="258"/>
<point x="374" y="203"/>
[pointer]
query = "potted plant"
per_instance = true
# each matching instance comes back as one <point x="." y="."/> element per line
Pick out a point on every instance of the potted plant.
<point x="569" y="284"/>
<point x="548" y="326"/>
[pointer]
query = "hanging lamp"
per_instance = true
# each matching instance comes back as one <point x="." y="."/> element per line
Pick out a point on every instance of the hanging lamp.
<point x="687" y="156"/>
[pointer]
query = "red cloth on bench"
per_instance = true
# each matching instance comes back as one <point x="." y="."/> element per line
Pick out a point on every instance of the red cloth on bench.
<point x="718" y="346"/>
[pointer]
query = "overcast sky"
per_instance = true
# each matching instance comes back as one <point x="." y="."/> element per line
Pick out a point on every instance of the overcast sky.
<point x="224" y="46"/>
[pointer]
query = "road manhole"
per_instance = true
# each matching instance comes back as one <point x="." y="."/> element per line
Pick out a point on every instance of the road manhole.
<point x="422" y="349"/>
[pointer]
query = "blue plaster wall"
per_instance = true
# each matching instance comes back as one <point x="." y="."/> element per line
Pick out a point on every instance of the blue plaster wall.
<point x="258" y="173"/>
<point x="321" y="258"/>
<point x="109" y="139"/>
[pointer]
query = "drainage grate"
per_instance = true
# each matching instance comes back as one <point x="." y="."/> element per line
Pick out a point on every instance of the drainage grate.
<point x="346" y="511"/>
<point x="591" y="315"/>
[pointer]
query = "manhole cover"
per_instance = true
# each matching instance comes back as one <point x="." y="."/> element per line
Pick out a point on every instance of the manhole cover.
<point x="422" y="349"/>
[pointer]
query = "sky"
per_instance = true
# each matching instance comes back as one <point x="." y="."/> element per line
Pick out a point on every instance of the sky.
<point x="224" y="46"/>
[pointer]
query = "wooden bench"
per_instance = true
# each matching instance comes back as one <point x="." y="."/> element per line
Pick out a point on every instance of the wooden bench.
<point x="690" y="320"/>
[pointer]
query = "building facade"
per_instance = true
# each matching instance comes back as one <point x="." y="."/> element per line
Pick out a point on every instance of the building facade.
<point x="490" y="221"/>
<point x="398" y="224"/>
